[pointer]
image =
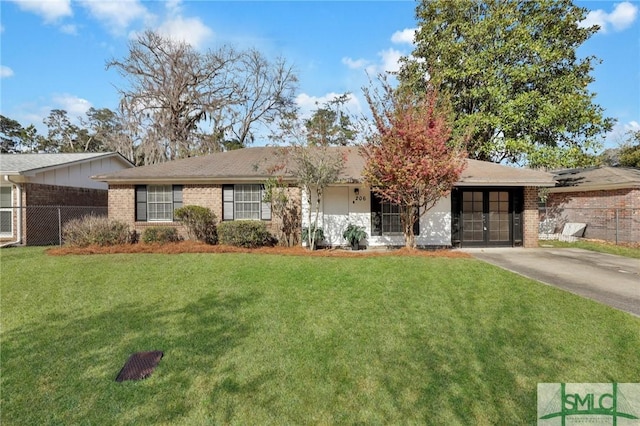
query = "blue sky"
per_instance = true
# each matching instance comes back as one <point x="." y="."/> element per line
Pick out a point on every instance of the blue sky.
<point x="53" y="52"/>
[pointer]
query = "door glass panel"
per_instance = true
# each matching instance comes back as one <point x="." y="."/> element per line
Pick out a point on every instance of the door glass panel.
<point x="472" y="221"/>
<point x="499" y="216"/>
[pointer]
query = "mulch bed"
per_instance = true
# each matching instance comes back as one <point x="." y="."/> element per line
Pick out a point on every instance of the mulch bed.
<point x="198" y="247"/>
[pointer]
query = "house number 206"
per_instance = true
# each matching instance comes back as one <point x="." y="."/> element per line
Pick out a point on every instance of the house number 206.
<point x="361" y="198"/>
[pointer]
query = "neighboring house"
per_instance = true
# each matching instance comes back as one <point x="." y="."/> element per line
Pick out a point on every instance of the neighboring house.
<point x="606" y="199"/>
<point x="31" y="184"/>
<point x="491" y="205"/>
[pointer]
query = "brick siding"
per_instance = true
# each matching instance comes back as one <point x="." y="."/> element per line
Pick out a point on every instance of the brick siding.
<point x="41" y="222"/>
<point x="53" y="195"/>
<point x="122" y="205"/>
<point x="530" y="217"/>
<point x="610" y="215"/>
<point x="617" y="198"/>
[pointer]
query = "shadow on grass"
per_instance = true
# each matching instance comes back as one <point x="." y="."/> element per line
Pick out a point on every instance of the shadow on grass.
<point x="483" y="358"/>
<point x="62" y="370"/>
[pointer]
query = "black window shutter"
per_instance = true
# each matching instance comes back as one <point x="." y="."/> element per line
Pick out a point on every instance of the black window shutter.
<point x="227" y="202"/>
<point x="416" y="224"/>
<point x="177" y="197"/>
<point x="141" y="203"/>
<point x="376" y="215"/>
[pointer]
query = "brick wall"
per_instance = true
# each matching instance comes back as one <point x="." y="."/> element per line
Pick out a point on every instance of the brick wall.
<point x="122" y="205"/>
<point x="530" y="216"/>
<point x="616" y="198"/>
<point x="275" y="225"/>
<point x="610" y="215"/>
<point x="209" y="196"/>
<point x="41" y="221"/>
<point x="52" y="195"/>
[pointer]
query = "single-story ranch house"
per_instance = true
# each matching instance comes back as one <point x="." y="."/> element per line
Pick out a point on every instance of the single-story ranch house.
<point x="491" y="205"/>
<point x="32" y="184"/>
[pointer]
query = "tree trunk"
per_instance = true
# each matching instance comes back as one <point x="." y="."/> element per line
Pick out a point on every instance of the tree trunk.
<point x="407" y="221"/>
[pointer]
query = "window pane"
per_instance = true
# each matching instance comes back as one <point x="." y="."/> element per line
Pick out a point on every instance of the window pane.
<point x="160" y="202"/>
<point x="391" y="222"/>
<point x="5" y="222"/>
<point x="248" y="201"/>
<point x="5" y="196"/>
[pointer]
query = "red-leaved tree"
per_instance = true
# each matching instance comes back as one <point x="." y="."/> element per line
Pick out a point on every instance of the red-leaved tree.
<point x="411" y="159"/>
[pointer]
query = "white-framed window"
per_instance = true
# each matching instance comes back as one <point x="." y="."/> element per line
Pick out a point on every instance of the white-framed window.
<point x="156" y="203"/>
<point x="159" y="203"/>
<point x="244" y="202"/>
<point x="6" y="211"/>
<point x="391" y="222"/>
<point x="386" y="218"/>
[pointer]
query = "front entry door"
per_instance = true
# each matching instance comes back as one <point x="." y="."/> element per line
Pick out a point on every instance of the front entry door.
<point x="486" y="218"/>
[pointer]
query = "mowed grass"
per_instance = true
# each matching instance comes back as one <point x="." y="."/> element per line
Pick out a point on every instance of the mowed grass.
<point x="602" y="247"/>
<point x="265" y="339"/>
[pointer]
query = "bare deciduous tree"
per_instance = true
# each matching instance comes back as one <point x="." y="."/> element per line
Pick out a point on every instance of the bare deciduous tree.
<point x="171" y="89"/>
<point x="183" y="102"/>
<point x="266" y="90"/>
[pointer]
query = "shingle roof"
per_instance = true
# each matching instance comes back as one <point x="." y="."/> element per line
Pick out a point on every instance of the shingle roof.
<point x="23" y="163"/>
<point x="255" y="164"/>
<point x="484" y="173"/>
<point x="596" y="178"/>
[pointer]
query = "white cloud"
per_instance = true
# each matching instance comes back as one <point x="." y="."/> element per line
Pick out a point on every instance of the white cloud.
<point x="390" y="60"/>
<point x="117" y="15"/>
<point x="405" y="36"/>
<point x="5" y="72"/>
<point x="188" y="30"/>
<point x="69" y="29"/>
<point x="622" y="17"/>
<point x="74" y="105"/>
<point x="50" y="10"/>
<point x="632" y="126"/>
<point x="308" y="103"/>
<point x="173" y="6"/>
<point x="355" y="64"/>
<point x="620" y="133"/>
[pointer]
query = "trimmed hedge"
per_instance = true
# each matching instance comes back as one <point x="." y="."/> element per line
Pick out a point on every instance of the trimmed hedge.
<point x="95" y="230"/>
<point x="245" y="233"/>
<point x="160" y="234"/>
<point x="199" y="221"/>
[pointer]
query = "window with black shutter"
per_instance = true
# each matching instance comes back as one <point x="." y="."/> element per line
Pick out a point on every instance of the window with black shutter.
<point x="156" y="203"/>
<point x="244" y="201"/>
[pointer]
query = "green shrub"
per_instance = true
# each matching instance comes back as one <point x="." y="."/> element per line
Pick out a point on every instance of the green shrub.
<point x="160" y="234"/>
<point x="200" y="223"/>
<point x="245" y="233"/>
<point x="95" y="230"/>
<point x="316" y="233"/>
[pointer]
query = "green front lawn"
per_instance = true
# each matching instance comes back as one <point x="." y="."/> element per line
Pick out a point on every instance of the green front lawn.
<point x="620" y="250"/>
<point x="266" y="339"/>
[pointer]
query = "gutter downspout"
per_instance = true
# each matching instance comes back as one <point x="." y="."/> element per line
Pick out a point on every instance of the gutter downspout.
<point x="19" y="196"/>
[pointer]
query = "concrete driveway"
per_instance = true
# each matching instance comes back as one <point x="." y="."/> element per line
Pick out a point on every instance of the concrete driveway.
<point x="612" y="280"/>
